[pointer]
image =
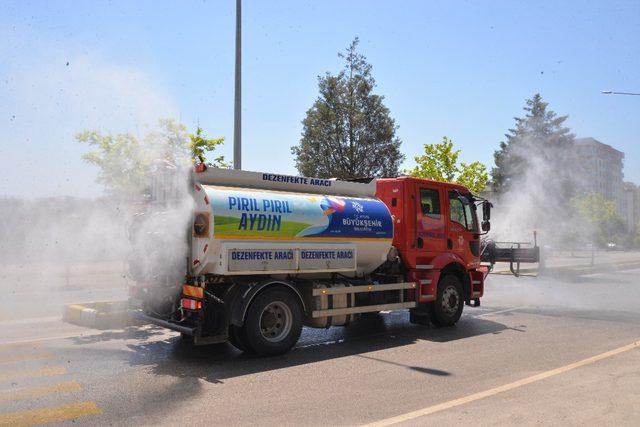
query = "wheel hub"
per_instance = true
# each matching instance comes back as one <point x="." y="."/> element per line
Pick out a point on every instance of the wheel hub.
<point x="276" y="321"/>
<point x="450" y="300"/>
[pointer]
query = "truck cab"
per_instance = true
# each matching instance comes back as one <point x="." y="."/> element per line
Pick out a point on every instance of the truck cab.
<point x="436" y="233"/>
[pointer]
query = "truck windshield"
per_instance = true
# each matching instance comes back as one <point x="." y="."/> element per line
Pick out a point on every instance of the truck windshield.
<point x="463" y="211"/>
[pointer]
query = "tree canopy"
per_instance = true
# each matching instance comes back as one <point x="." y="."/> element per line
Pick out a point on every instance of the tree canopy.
<point x="348" y="132"/>
<point x="440" y="163"/>
<point x="538" y="136"/>
<point x="125" y="160"/>
<point x="597" y="218"/>
<point x="200" y="146"/>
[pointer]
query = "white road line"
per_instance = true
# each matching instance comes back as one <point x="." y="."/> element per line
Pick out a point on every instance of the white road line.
<point x="500" y="311"/>
<point x="501" y="389"/>
<point x="612" y="272"/>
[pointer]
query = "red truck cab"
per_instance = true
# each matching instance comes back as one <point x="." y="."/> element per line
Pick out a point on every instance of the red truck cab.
<point x="436" y="233"/>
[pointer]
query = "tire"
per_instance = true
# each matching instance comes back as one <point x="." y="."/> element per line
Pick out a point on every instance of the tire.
<point x="447" y="308"/>
<point x="274" y="322"/>
<point x="238" y="338"/>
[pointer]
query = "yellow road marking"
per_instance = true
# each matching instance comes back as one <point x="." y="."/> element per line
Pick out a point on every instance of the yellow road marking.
<point x="32" y="373"/>
<point x="24" y="357"/>
<point x="28" y="320"/>
<point x="50" y="415"/>
<point x="501" y="389"/>
<point x="18" y="344"/>
<point x="33" y="392"/>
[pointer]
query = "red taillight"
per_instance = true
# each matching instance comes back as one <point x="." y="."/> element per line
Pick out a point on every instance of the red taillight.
<point x="193" y="291"/>
<point x="191" y="304"/>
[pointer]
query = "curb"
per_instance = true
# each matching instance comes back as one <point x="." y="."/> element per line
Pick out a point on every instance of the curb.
<point x="99" y="314"/>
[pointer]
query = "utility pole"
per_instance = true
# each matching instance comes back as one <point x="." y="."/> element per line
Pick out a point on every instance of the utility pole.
<point x="237" y="114"/>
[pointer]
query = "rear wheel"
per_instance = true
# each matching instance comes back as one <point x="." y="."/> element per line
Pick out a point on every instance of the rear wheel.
<point x="447" y="308"/>
<point x="274" y="322"/>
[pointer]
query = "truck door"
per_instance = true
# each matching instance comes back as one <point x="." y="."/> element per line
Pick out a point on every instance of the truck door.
<point x="430" y="223"/>
<point x="462" y="235"/>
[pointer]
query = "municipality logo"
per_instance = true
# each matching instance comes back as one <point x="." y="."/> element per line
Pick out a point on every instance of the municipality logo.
<point x="357" y="207"/>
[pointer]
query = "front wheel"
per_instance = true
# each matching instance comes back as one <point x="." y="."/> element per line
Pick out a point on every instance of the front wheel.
<point x="447" y="308"/>
<point x="274" y="322"/>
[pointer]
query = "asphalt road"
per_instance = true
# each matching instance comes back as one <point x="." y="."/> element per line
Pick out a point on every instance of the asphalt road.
<point x="539" y="351"/>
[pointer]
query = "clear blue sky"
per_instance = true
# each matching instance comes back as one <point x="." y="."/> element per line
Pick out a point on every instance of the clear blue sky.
<point x="461" y="69"/>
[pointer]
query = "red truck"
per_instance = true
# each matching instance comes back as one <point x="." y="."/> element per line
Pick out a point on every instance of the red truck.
<point x="270" y="253"/>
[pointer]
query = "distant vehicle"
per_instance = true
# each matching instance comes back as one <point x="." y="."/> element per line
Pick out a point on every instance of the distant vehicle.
<point x="271" y="252"/>
<point x="611" y="246"/>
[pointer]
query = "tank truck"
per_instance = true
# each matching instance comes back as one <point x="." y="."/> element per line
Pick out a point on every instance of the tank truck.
<point x="269" y="253"/>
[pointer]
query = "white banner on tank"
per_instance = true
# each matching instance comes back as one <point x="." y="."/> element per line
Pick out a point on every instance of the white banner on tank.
<point x="261" y="259"/>
<point x="327" y="259"/>
<point x="244" y="258"/>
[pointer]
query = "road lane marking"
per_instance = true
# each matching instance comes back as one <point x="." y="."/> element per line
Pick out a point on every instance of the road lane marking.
<point x="18" y="344"/>
<point x="34" y="392"/>
<point x="49" y="371"/>
<point x="39" y="340"/>
<point x="30" y="320"/>
<point x="24" y="358"/>
<point x="53" y="414"/>
<point x="500" y="311"/>
<point x="501" y="389"/>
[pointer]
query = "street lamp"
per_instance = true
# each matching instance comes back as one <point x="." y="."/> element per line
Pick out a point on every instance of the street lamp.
<point x="611" y="92"/>
<point x="237" y="113"/>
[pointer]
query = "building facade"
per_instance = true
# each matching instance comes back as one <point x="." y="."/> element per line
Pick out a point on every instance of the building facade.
<point x="603" y="170"/>
<point x="631" y="206"/>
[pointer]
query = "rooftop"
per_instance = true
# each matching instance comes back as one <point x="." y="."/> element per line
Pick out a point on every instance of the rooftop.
<point x="589" y="141"/>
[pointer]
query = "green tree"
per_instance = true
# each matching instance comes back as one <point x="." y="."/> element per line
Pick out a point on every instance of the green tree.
<point x="125" y="160"/>
<point x="348" y="132"/>
<point x="200" y="145"/>
<point x="597" y="217"/>
<point x="122" y="166"/>
<point x="440" y="163"/>
<point x="538" y="136"/>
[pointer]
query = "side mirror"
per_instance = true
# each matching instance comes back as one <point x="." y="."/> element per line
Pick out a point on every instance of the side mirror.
<point x="486" y="211"/>
<point x="486" y="216"/>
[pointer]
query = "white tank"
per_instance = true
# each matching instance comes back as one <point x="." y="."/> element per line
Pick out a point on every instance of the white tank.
<point x="241" y="231"/>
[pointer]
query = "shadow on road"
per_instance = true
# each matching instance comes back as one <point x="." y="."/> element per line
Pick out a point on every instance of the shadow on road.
<point x="177" y="358"/>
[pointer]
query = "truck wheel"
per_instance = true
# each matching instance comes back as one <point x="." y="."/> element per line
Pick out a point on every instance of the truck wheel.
<point x="274" y="322"/>
<point x="447" y="308"/>
<point x="238" y="338"/>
